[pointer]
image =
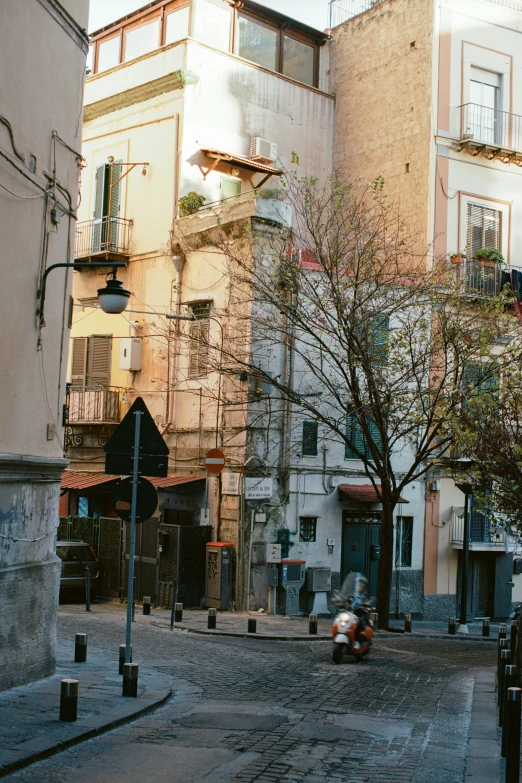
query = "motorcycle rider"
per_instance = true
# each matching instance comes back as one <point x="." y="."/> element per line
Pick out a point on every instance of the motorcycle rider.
<point x="361" y="607"/>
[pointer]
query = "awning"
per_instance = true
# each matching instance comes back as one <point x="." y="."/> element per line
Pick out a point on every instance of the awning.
<point x="85" y="480"/>
<point x="240" y="160"/>
<point x="88" y="480"/>
<point x="364" y="493"/>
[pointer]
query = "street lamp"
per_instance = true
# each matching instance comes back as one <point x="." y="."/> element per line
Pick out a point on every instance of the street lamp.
<point x="113" y="298"/>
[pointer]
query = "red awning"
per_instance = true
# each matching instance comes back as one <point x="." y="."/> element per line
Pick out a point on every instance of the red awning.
<point x="364" y="493"/>
<point x="88" y="480"/>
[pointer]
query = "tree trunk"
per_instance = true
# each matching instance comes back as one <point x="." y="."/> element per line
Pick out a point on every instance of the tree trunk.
<point x="386" y="563"/>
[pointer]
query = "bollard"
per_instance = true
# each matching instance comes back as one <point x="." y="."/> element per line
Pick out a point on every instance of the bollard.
<point x="87" y="589"/>
<point x="69" y="700"/>
<point x="80" y="648"/>
<point x="133" y="598"/>
<point x="146" y="604"/>
<point x="502" y="630"/>
<point x="407" y="623"/>
<point x="513" y="704"/>
<point x="452" y="625"/>
<point x="505" y="658"/>
<point x="211" y="624"/>
<point x="178" y="613"/>
<point x="312" y="624"/>
<point x="122" y="657"/>
<point x="252" y="625"/>
<point x="502" y="645"/>
<point x="510" y="681"/>
<point x="513" y="634"/>
<point x="130" y="680"/>
<point x="485" y="626"/>
<point x="374" y="617"/>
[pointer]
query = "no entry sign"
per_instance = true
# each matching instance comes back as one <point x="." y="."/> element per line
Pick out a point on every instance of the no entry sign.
<point x="214" y="461"/>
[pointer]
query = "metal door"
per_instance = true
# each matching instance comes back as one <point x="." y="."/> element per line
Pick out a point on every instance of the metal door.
<point x="146" y="562"/>
<point x="193" y="540"/>
<point x="360" y="547"/>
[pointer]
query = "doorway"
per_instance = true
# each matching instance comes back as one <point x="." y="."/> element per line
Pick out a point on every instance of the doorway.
<point x="361" y="544"/>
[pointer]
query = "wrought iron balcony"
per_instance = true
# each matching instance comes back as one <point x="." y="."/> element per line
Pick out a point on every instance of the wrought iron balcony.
<point x="484" y="535"/>
<point x="342" y="10"/>
<point x="93" y="406"/>
<point x="478" y="278"/>
<point x="106" y="237"/>
<point x="494" y="133"/>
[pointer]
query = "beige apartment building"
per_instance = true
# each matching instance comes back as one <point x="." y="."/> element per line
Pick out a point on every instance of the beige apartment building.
<point x="42" y="60"/>
<point x="429" y="96"/>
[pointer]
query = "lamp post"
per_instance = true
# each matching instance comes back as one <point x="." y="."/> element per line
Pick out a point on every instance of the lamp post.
<point x="113" y="298"/>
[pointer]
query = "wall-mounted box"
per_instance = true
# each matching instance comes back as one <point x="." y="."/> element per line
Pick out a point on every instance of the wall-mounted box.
<point x="130" y="353"/>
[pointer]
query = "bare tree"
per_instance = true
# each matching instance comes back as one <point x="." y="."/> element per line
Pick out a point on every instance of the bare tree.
<point x="374" y="339"/>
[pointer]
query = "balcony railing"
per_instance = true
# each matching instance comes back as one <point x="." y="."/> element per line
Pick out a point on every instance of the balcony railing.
<point x="342" y="10"/>
<point x="482" y="532"/>
<point x="93" y="406"/>
<point x="492" y="127"/>
<point x="100" y="236"/>
<point x="478" y="278"/>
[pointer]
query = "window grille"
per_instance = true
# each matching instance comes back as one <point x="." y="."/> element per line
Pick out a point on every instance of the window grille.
<point x="403" y="542"/>
<point x="307" y="529"/>
<point x="484" y="228"/>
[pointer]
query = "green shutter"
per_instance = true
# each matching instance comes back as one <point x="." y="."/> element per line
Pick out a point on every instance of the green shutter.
<point x="113" y="205"/>
<point x="230" y="188"/>
<point x="99" y="204"/>
<point x="354" y="437"/>
<point x="310" y="432"/>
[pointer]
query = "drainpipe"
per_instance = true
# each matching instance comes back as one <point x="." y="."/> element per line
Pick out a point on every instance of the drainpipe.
<point x="178" y="262"/>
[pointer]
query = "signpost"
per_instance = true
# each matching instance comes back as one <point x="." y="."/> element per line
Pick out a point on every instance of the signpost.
<point x="136" y="448"/>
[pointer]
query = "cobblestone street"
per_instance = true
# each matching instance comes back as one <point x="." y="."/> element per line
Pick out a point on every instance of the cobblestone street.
<point x="268" y="711"/>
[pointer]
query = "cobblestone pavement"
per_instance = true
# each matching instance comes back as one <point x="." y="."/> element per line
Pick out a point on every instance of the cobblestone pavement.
<point x="275" y="712"/>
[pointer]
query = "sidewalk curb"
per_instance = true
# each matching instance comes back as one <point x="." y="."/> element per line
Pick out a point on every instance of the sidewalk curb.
<point x="103" y="727"/>
<point x="325" y="638"/>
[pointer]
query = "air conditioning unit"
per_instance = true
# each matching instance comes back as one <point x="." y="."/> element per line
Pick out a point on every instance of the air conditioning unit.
<point x="319" y="579"/>
<point x="334" y="481"/>
<point x="262" y="149"/>
<point x="435" y="486"/>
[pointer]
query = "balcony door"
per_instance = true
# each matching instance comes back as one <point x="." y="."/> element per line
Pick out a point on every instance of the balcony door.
<point x="484" y="118"/>
<point x="106" y="208"/>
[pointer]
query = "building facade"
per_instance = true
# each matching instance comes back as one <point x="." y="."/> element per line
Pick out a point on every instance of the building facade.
<point x="40" y="139"/>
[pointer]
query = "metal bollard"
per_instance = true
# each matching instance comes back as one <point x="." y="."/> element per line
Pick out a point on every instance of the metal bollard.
<point x="510" y="681"/>
<point x="122" y="657"/>
<point x="133" y="598"/>
<point x="312" y="624"/>
<point x="146" y="604"/>
<point x="178" y="613"/>
<point x="485" y="626"/>
<point x="513" y="704"/>
<point x="502" y="645"/>
<point x="505" y="657"/>
<point x="80" y="648"/>
<point x="407" y="623"/>
<point x="374" y="617"/>
<point x="212" y="618"/>
<point x="452" y="625"/>
<point x="513" y="634"/>
<point x="87" y="589"/>
<point x="502" y="630"/>
<point x="252" y="626"/>
<point x="69" y="700"/>
<point x="130" y="680"/>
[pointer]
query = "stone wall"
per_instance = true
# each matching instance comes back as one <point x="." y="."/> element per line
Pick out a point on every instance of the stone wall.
<point x="381" y="76"/>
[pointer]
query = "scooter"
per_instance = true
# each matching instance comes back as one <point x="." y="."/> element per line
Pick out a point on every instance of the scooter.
<point x="352" y="631"/>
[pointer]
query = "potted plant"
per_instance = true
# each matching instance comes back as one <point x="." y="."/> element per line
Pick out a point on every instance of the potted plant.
<point x="457" y="258"/>
<point x="489" y="255"/>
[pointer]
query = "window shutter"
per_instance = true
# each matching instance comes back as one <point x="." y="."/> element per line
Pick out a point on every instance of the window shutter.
<point x="310" y="431"/>
<point x="79" y="362"/>
<point x="113" y="205"/>
<point x="484" y="228"/>
<point x="355" y="435"/>
<point x="375" y="435"/>
<point x="198" y="356"/>
<point x="230" y="188"/>
<point x="99" y="365"/>
<point x="99" y="202"/>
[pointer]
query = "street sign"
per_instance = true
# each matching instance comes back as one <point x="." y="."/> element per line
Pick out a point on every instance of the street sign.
<point x="214" y="461"/>
<point x="146" y="500"/>
<point x="153" y="451"/>
<point x="230" y="483"/>
<point x="258" y="488"/>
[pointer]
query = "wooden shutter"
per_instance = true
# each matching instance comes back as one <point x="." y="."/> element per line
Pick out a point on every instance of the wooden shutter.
<point x="355" y="436"/>
<point x="99" y="208"/>
<point x="198" y="352"/>
<point x="113" y="205"/>
<point x="484" y="228"/>
<point x="99" y="362"/>
<point x="79" y="362"/>
<point x="380" y="331"/>
<point x="310" y="431"/>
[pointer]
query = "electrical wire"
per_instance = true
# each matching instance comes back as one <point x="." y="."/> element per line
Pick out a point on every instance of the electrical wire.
<point x="27" y="540"/>
<point x="26" y="198"/>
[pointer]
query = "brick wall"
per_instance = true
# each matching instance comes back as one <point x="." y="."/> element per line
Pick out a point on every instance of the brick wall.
<point x="381" y="76"/>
